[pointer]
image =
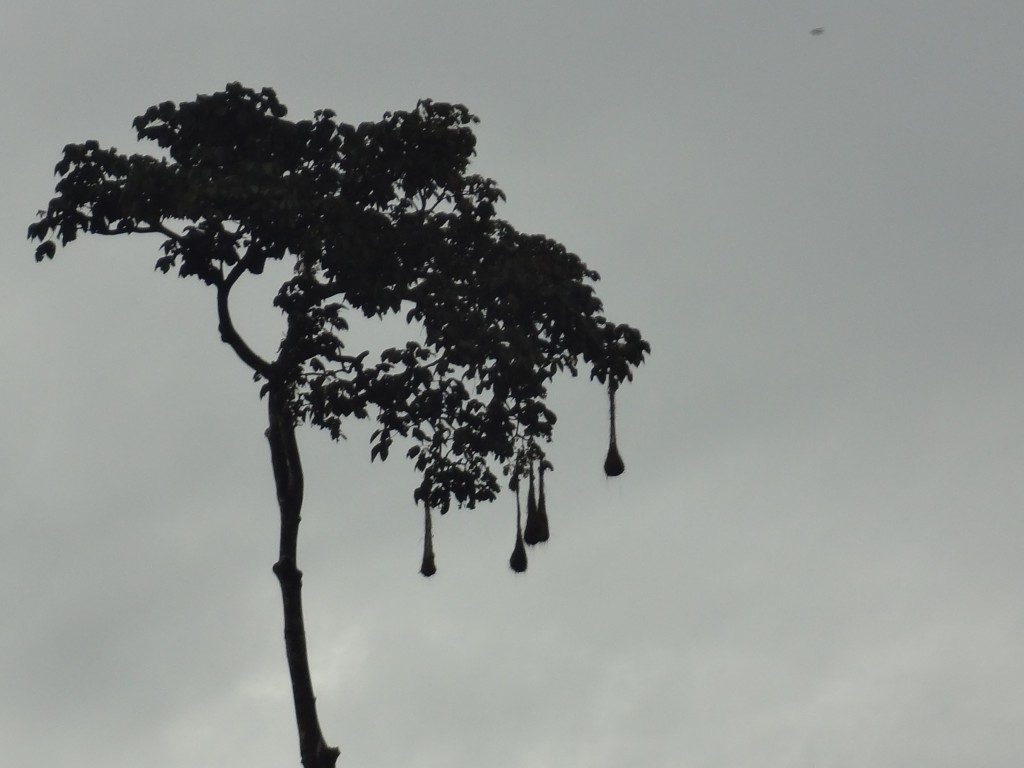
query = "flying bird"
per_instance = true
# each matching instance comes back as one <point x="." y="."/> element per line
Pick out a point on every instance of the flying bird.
<point x="818" y="31"/>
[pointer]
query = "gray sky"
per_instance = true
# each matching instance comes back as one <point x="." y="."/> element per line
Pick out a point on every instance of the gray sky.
<point x="813" y="558"/>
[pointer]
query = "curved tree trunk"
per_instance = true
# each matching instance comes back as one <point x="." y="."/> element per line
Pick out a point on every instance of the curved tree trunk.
<point x="284" y="454"/>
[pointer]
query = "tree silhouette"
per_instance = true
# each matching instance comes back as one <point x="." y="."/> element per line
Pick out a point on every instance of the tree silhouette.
<point x="380" y="219"/>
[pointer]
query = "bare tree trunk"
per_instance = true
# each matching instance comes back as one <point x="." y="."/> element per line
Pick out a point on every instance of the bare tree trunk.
<point x="284" y="453"/>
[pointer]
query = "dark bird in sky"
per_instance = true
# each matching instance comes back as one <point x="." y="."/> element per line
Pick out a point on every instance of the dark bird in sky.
<point x="818" y="31"/>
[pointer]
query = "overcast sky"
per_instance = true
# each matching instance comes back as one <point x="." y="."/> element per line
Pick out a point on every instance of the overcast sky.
<point x="814" y="557"/>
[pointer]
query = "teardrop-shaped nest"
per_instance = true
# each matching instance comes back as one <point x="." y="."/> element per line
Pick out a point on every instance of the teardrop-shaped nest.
<point x="428" y="568"/>
<point x="613" y="466"/>
<point x="518" y="560"/>
<point x="536" y="529"/>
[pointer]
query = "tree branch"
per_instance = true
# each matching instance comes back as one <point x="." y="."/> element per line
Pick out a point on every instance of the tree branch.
<point x="228" y="334"/>
<point x="151" y="228"/>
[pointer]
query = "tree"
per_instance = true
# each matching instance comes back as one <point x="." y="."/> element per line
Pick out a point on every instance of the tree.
<point x="380" y="218"/>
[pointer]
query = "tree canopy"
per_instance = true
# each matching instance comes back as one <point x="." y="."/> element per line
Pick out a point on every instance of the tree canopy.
<point x="379" y="218"/>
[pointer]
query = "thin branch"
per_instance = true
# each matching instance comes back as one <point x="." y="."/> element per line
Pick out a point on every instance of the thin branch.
<point x="162" y="229"/>
<point x="141" y="230"/>
<point x="323" y="291"/>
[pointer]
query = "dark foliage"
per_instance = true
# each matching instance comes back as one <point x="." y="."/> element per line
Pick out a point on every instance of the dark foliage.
<point x="378" y="218"/>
